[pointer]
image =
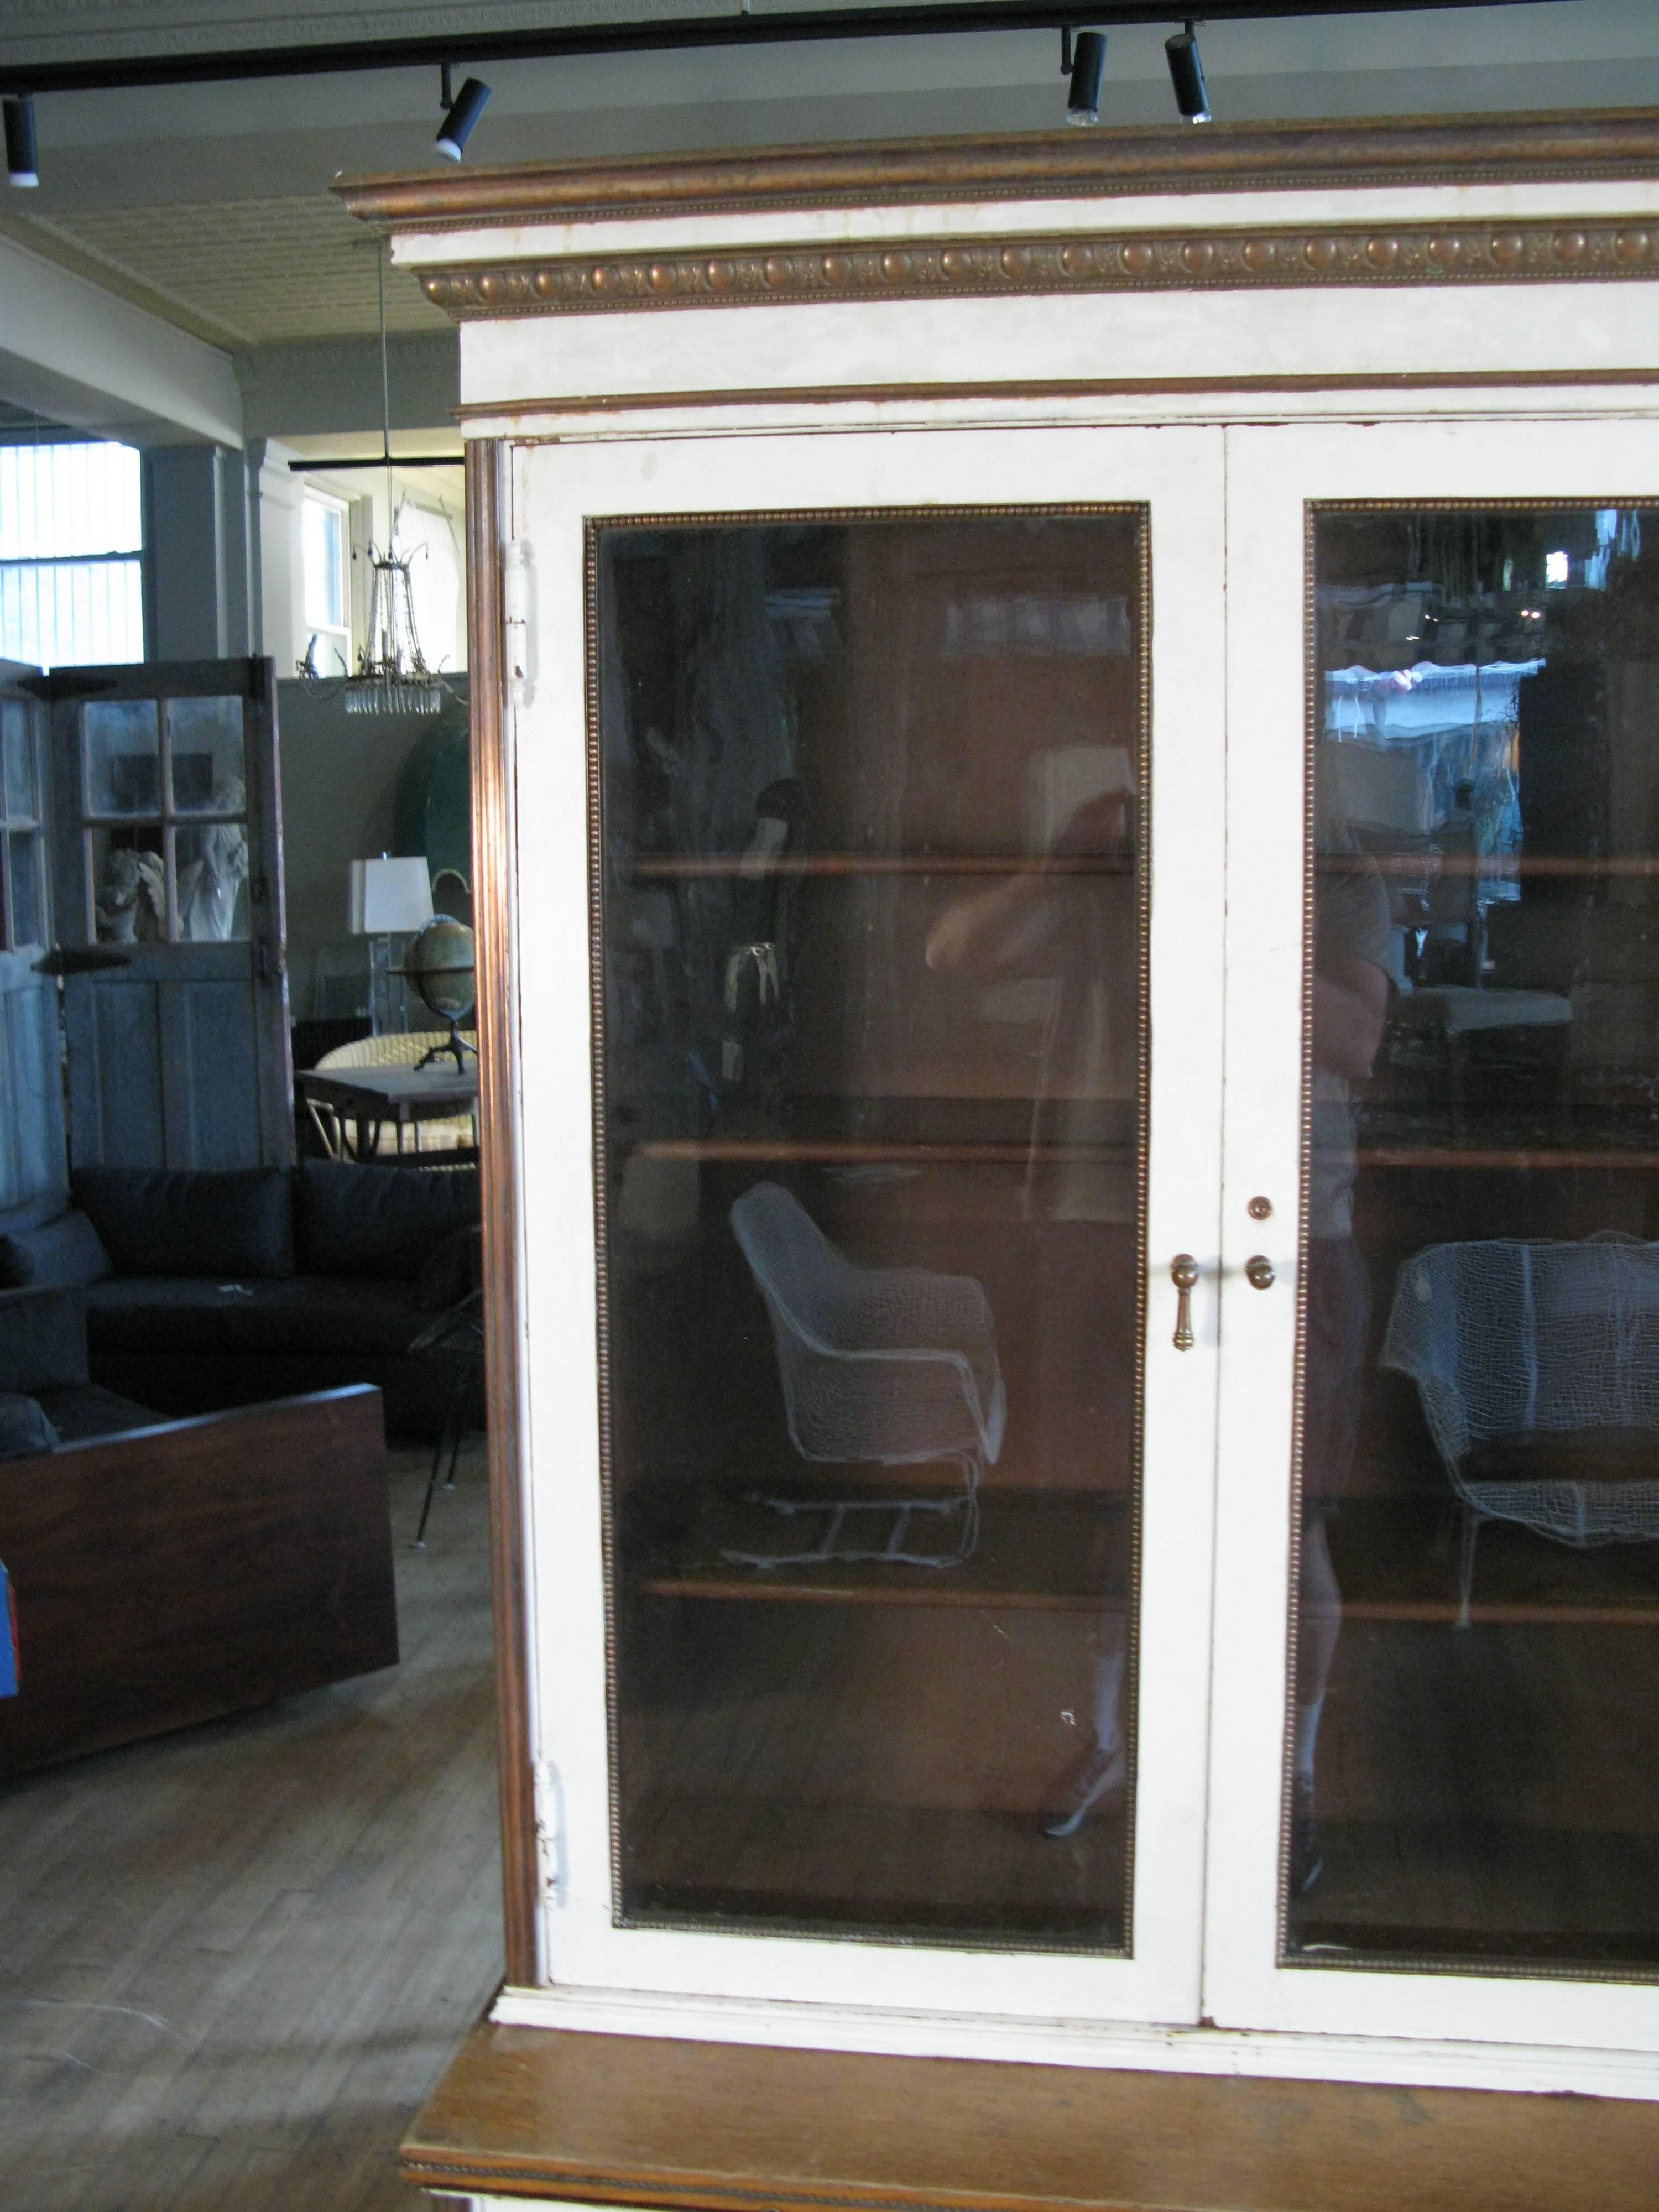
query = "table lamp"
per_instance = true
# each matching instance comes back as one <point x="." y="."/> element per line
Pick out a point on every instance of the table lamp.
<point x="389" y="898"/>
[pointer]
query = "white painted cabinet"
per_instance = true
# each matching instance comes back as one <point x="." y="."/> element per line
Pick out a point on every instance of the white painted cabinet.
<point x="1078" y="777"/>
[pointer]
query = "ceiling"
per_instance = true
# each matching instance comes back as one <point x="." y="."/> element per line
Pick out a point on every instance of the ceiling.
<point x="209" y="204"/>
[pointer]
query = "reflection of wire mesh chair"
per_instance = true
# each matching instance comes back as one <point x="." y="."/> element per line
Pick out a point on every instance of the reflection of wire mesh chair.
<point x="1508" y="1340"/>
<point x="887" y="1365"/>
<point x="399" y="1048"/>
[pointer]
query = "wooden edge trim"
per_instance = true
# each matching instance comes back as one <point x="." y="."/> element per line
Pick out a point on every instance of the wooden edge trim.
<point x="817" y="395"/>
<point x="677" y="2126"/>
<point x="1522" y="252"/>
<point x="492" y="884"/>
<point x="1614" y="143"/>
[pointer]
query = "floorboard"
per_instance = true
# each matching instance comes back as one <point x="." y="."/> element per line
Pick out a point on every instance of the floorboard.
<point x="237" y="1958"/>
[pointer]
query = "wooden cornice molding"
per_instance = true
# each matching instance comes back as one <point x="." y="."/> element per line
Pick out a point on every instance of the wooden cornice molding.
<point x="1132" y="261"/>
<point x="1609" y="145"/>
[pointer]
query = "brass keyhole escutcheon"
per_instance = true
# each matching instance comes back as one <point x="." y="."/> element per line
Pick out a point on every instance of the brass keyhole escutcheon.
<point x="1258" y="1272"/>
<point x="1184" y="1273"/>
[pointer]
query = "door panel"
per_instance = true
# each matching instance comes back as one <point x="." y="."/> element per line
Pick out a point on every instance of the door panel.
<point x="1438" y="1426"/>
<point x="33" y="1166"/>
<point x="168" y="853"/>
<point x="848" y="733"/>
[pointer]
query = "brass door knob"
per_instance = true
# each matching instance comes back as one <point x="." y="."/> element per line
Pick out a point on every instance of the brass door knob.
<point x="1258" y="1272"/>
<point x="1184" y="1273"/>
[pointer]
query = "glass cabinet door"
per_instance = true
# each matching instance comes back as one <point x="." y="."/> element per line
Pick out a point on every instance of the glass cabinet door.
<point x="1439" y="1797"/>
<point x="899" y="959"/>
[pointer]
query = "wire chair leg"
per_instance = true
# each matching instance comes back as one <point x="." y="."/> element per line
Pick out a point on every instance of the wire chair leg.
<point x="450" y="1434"/>
<point x="1469" y="1537"/>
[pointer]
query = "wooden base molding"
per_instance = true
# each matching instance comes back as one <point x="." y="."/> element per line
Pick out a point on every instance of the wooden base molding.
<point x="555" y="2115"/>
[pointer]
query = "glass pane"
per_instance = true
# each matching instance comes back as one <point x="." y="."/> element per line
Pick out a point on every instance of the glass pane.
<point x="323" y="551"/>
<point x="207" y="756"/>
<point x="59" y="500"/>
<point x="212" y="865"/>
<point x="873" y="955"/>
<point x="28" y="921"/>
<point x="123" y="756"/>
<point x="1475" y="1742"/>
<point x="68" y="613"/>
<point x="17" y="744"/>
<point x="129" y="884"/>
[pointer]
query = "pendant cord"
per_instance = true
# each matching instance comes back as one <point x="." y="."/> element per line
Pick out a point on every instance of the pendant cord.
<point x="385" y="399"/>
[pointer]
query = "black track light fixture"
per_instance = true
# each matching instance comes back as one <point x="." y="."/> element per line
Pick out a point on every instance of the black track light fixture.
<point x="1186" y="75"/>
<point x="1083" y="59"/>
<point x="22" y="163"/>
<point x="461" y="112"/>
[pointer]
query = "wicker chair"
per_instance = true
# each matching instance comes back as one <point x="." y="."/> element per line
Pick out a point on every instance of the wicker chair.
<point x="397" y="1049"/>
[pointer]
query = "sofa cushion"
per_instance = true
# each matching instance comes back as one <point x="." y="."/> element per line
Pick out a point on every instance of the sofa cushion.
<point x="231" y="1223"/>
<point x="24" y="1427"/>
<point x="43" y="1339"/>
<point x="310" y="1314"/>
<point x="89" y="1410"/>
<point x="68" y="1250"/>
<point x="382" y="1221"/>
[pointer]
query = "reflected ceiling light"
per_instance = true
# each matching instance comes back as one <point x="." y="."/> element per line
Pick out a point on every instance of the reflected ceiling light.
<point x="1186" y="75"/>
<point x="21" y="164"/>
<point x="1083" y="59"/>
<point x="461" y="112"/>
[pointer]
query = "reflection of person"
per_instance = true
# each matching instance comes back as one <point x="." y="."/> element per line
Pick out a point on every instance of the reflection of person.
<point x="1353" y="941"/>
<point x="1080" y="930"/>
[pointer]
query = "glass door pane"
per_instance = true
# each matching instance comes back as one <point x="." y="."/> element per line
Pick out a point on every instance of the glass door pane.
<point x="1476" y="1724"/>
<point x="874" y="1121"/>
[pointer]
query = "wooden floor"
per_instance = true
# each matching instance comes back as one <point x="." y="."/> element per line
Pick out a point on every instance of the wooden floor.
<point x="237" y="1958"/>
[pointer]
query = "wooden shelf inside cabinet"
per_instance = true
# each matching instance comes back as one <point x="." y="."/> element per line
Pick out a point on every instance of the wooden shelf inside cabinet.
<point x="833" y="1152"/>
<point x="1396" y="1561"/>
<point x="1047" y="1551"/>
<point x="678" y="867"/>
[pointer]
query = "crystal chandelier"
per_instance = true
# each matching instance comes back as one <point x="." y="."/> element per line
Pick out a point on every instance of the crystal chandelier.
<point x="392" y="677"/>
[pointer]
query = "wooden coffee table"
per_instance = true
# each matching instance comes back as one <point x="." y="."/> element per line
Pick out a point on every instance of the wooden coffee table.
<point x="368" y="1098"/>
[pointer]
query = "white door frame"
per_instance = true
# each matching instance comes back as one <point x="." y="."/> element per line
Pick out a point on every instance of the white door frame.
<point x="555" y="489"/>
<point x="1272" y="474"/>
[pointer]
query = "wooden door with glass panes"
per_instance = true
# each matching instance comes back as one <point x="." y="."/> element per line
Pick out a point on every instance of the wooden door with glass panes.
<point x="1437" y="1811"/>
<point x="873" y="1611"/>
<point x="167" y="837"/>
<point x="32" y="1164"/>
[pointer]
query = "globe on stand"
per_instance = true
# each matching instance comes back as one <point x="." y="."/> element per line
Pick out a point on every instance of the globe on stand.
<point x="440" y="964"/>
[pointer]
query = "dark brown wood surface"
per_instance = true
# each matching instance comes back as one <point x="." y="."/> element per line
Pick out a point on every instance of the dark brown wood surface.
<point x="622" y="2119"/>
<point x="169" y="1575"/>
<point x="493" y="831"/>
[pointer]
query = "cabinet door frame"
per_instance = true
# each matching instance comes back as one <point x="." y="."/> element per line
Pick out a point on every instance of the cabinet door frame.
<point x="1275" y="475"/>
<point x="556" y="490"/>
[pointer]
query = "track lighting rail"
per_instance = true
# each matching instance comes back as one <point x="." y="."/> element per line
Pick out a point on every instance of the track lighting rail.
<point x="784" y="26"/>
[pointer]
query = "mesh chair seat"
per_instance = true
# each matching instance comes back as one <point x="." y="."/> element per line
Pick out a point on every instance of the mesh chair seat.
<point x="881" y="1366"/>
<point x="1512" y="1341"/>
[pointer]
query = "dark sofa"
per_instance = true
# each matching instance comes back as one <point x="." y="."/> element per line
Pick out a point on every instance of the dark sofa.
<point x="210" y="1289"/>
<point x="165" y="1572"/>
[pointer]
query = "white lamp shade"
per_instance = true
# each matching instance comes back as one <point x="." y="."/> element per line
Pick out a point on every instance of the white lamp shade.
<point x="390" y="898"/>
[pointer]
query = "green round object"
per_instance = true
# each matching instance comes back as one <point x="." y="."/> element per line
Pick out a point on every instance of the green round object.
<point x="440" y="966"/>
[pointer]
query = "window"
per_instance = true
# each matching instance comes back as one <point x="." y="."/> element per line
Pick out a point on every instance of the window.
<point x="164" y="819"/>
<point x="325" y="559"/>
<point x="72" y="572"/>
